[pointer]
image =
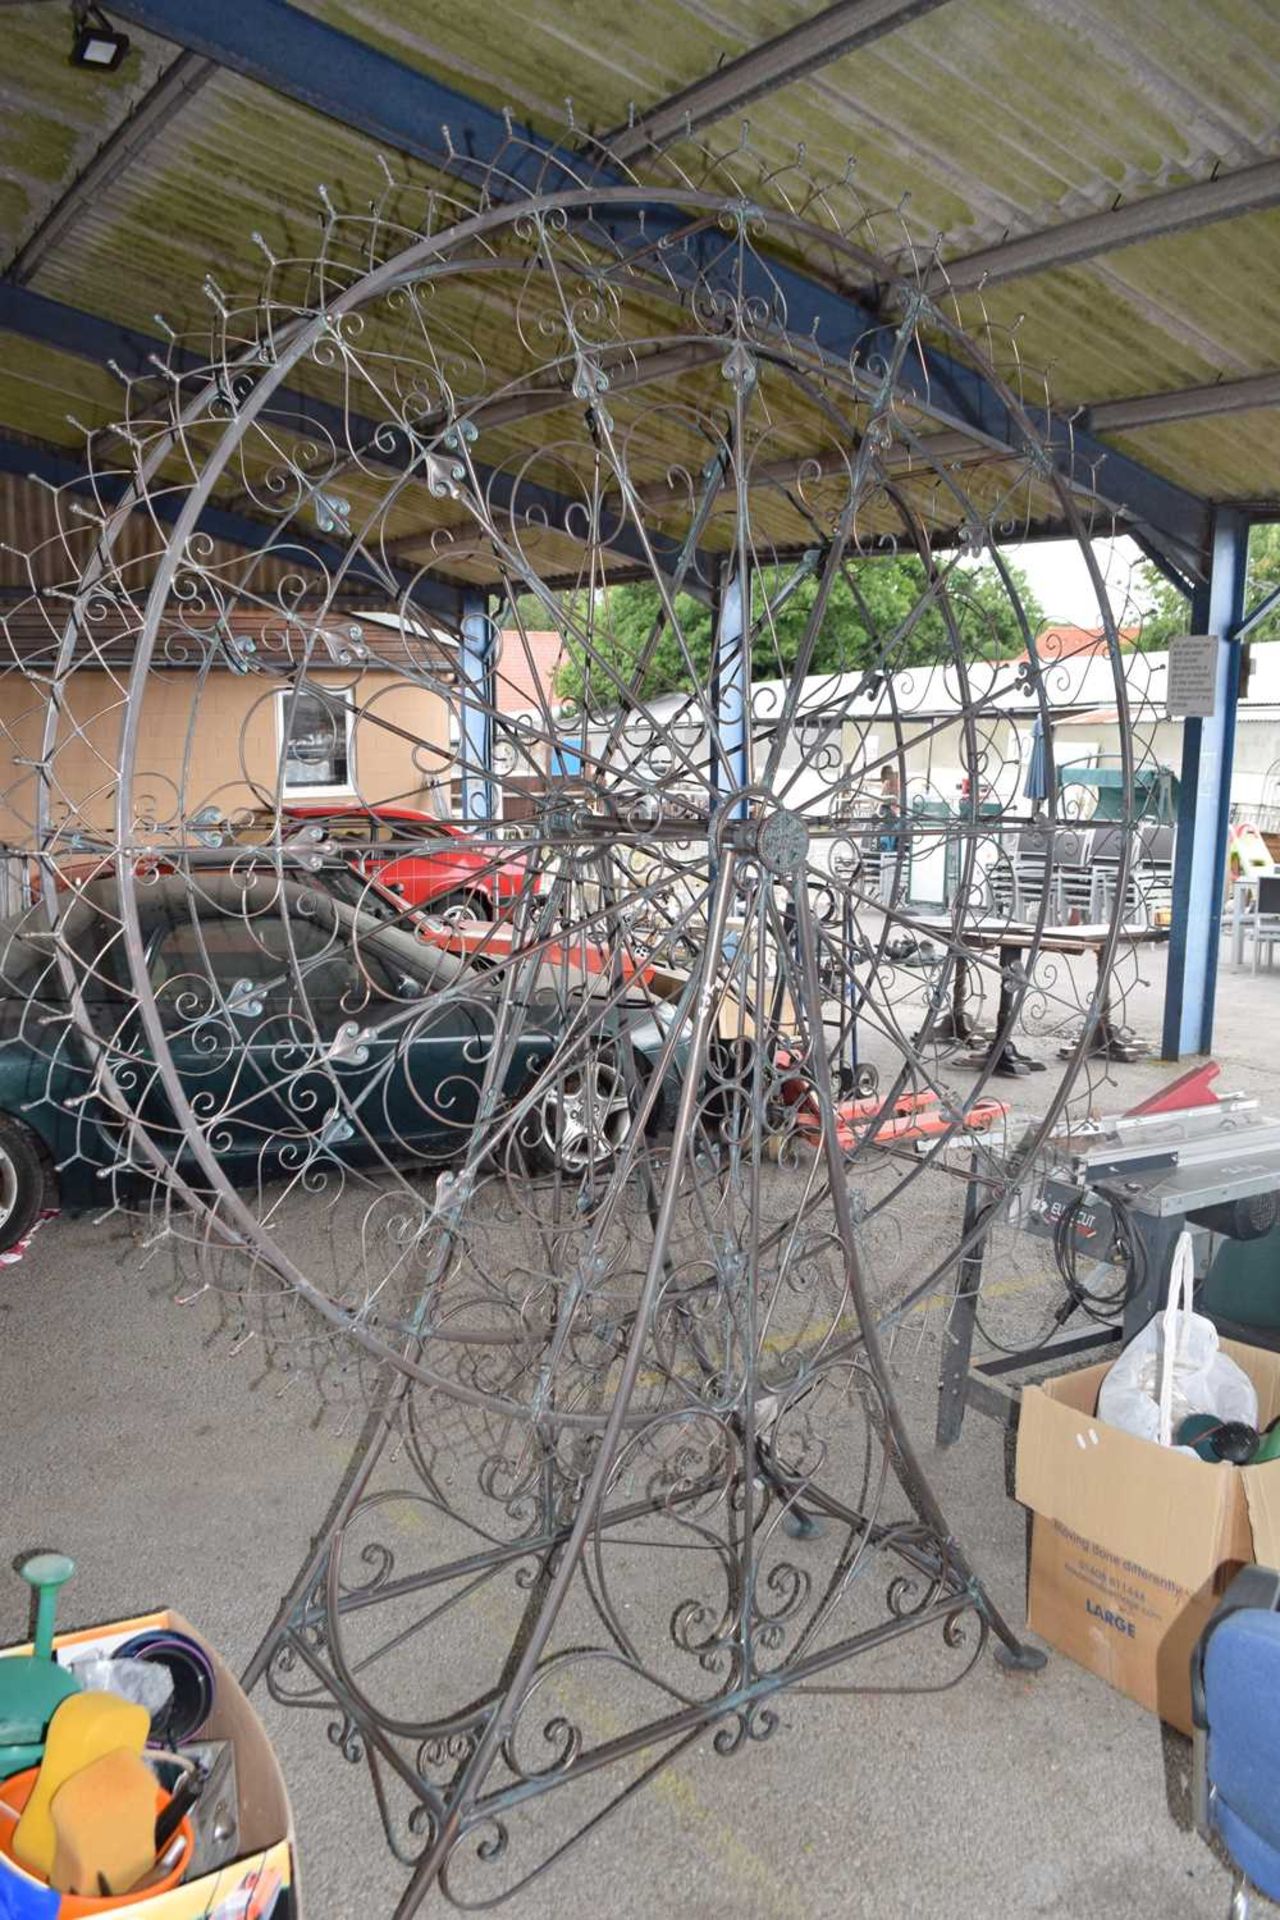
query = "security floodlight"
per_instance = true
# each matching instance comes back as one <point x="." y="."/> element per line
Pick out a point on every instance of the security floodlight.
<point x="97" y="43"/>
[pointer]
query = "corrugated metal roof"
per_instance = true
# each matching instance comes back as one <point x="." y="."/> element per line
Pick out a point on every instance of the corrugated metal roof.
<point x="983" y="119"/>
<point x="1236" y="456"/>
<point x="998" y="116"/>
<point x="40" y="387"/>
<point x="990" y="113"/>
<point x="53" y="117"/>
<point x="1170" y="313"/>
<point x="993" y="115"/>
<point x="44" y="538"/>
<point x="235" y="161"/>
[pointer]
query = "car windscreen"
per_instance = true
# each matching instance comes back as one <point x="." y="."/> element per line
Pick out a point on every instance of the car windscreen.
<point x="401" y="951"/>
<point x="29" y="948"/>
<point x="360" y="829"/>
<point x="262" y="964"/>
<point x="380" y="916"/>
<point x="279" y="945"/>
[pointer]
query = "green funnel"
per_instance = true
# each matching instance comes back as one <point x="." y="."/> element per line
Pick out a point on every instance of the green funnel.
<point x="32" y="1685"/>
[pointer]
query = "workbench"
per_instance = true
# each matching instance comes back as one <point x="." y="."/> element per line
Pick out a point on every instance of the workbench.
<point x="1158" y="1168"/>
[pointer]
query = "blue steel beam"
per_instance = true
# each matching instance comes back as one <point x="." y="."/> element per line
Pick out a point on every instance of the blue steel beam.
<point x="61" y="469"/>
<point x="1164" y="566"/>
<point x="1204" y="803"/>
<point x="36" y="317"/>
<point x="348" y="80"/>
<point x="345" y="79"/>
<point x="477" y="662"/>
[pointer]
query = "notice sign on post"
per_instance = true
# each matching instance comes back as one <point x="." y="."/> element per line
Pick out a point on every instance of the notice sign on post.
<point x="1191" y="691"/>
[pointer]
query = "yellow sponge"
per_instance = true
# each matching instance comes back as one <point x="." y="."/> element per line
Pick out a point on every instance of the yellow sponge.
<point x="82" y="1729"/>
<point x="104" y="1818"/>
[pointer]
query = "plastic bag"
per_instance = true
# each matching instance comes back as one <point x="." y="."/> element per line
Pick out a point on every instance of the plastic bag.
<point x="1175" y="1367"/>
<point x="141" y="1681"/>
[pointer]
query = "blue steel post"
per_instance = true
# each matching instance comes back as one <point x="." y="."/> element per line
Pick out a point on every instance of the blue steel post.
<point x="1204" y="804"/>
<point x="730" y="693"/>
<point x="479" y="645"/>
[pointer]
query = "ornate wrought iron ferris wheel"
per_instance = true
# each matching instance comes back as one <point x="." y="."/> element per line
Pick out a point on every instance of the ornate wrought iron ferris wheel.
<point x="586" y="1202"/>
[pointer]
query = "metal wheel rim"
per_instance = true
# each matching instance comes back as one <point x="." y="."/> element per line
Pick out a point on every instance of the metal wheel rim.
<point x="431" y="257"/>
<point x="462" y="912"/>
<point x="591" y="1104"/>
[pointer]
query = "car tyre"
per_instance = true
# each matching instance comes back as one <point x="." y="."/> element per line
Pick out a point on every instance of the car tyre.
<point x="22" y="1182"/>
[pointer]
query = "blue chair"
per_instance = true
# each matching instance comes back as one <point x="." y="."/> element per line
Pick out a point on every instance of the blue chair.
<point x="1235" y="1688"/>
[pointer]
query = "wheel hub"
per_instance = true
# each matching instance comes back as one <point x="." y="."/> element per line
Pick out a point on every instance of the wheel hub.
<point x="776" y="836"/>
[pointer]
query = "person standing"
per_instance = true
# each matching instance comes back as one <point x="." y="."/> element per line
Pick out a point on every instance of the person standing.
<point x="889" y="812"/>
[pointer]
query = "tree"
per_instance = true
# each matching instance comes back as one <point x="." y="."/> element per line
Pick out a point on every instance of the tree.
<point x="879" y="615"/>
<point x="1165" y="612"/>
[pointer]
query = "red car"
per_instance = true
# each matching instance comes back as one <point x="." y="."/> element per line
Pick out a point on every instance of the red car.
<point x="461" y="877"/>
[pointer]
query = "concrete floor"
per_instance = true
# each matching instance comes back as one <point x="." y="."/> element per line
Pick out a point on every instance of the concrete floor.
<point x="174" y="1472"/>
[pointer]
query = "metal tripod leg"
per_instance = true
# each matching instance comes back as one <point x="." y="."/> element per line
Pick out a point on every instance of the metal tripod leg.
<point x="957" y="1338"/>
<point x="488" y="1747"/>
<point x="376" y="1431"/>
<point x="910" y="1471"/>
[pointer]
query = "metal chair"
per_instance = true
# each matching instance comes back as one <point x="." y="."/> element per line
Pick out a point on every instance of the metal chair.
<point x="1157" y="844"/>
<point x="1235" y="1683"/>
<point x="1144" y="890"/>
<point x="1035" y="874"/>
<point x="1073" y="879"/>
<point x="1263" y="926"/>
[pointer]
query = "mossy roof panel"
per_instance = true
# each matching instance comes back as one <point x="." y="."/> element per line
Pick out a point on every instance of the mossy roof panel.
<point x="981" y="119"/>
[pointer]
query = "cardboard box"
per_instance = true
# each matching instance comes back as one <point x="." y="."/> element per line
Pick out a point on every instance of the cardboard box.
<point x="735" y="1017"/>
<point x="262" y="1882"/>
<point x="1132" y="1543"/>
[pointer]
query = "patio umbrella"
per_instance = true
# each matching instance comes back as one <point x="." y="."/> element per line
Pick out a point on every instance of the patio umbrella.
<point x="1035" y="787"/>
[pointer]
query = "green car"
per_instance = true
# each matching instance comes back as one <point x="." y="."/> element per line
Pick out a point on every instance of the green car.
<point x="300" y="1027"/>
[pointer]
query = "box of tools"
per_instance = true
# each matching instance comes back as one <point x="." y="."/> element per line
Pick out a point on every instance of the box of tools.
<point x="240" y="1862"/>
<point x="1131" y="1542"/>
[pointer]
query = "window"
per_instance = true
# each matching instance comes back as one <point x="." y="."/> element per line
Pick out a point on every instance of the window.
<point x="360" y="829"/>
<point x="368" y="830"/>
<point x="313" y="739"/>
<point x="199" y="966"/>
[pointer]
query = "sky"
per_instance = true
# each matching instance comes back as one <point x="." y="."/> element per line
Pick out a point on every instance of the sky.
<point x="1060" y="579"/>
